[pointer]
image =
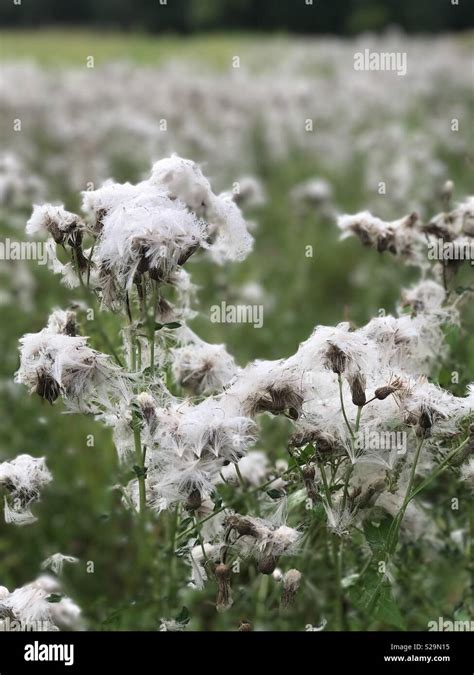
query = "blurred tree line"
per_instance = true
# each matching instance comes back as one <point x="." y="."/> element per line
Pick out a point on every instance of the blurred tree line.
<point x="301" y="16"/>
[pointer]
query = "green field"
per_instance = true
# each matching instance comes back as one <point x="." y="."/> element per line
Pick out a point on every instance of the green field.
<point x="72" y="47"/>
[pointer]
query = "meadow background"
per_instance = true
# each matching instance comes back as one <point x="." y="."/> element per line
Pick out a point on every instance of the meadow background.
<point x="358" y="137"/>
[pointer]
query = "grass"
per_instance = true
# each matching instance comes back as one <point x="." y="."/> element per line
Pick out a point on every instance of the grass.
<point x="59" y="47"/>
<point x="62" y="48"/>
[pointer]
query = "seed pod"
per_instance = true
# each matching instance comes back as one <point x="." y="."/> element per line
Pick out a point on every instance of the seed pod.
<point x="383" y="392"/>
<point x="99" y="220"/>
<point x="242" y="525"/>
<point x="411" y="219"/>
<point x="291" y="583"/>
<point x="411" y="419"/>
<point x="224" y="593"/>
<point x="187" y="253"/>
<point x="267" y="564"/>
<point x="426" y="419"/>
<point x="245" y="626"/>
<point x="335" y="359"/>
<point x="325" y="443"/>
<point x="358" y="390"/>
<point x="194" y="500"/>
<point x="300" y="438"/>
<point x="277" y="400"/>
<point x="47" y="387"/>
<point x="70" y="327"/>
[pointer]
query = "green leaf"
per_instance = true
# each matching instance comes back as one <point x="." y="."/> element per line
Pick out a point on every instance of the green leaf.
<point x="217" y="499"/>
<point x="274" y="494"/>
<point x="387" y="610"/>
<point x="371" y="586"/>
<point x="376" y="533"/>
<point x="54" y="597"/>
<point x="306" y="454"/>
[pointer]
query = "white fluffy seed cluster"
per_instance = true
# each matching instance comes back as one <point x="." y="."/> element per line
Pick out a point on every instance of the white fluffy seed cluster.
<point x="22" y="479"/>
<point x="56" y="362"/>
<point x="38" y="606"/>
<point x="445" y="237"/>
<point x="144" y="232"/>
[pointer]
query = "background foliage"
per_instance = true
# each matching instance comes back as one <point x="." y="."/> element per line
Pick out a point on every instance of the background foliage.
<point x="187" y="16"/>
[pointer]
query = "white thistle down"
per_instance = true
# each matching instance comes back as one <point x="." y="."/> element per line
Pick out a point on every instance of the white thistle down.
<point x="264" y="540"/>
<point x="28" y="608"/>
<point x="248" y="192"/>
<point x="55" y="362"/>
<point x="202" y="368"/>
<point x="23" y="478"/>
<point x="400" y="237"/>
<point x="56" y="562"/>
<point x="63" y="226"/>
<point x="143" y="232"/>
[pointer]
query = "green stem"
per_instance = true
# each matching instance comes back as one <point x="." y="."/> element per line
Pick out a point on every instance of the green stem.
<point x="152" y="328"/>
<point x="325" y="484"/>
<point x="339" y="600"/>
<point x="197" y="527"/>
<point x="392" y="538"/>
<point x="139" y="458"/>
<point x="300" y="471"/>
<point x="89" y="265"/>
<point x="75" y="256"/>
<point x="438" y="470"/>
<point x="341" y="398"/>
<point x="86" y="293"/>
<point x="351" y="466"/>
<point x="359" y="413"/>
<point x="239" y="474"/>
<point x="347" y="478"/>
<point x="262" y="592"/>
<point x="172" y="556"/>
